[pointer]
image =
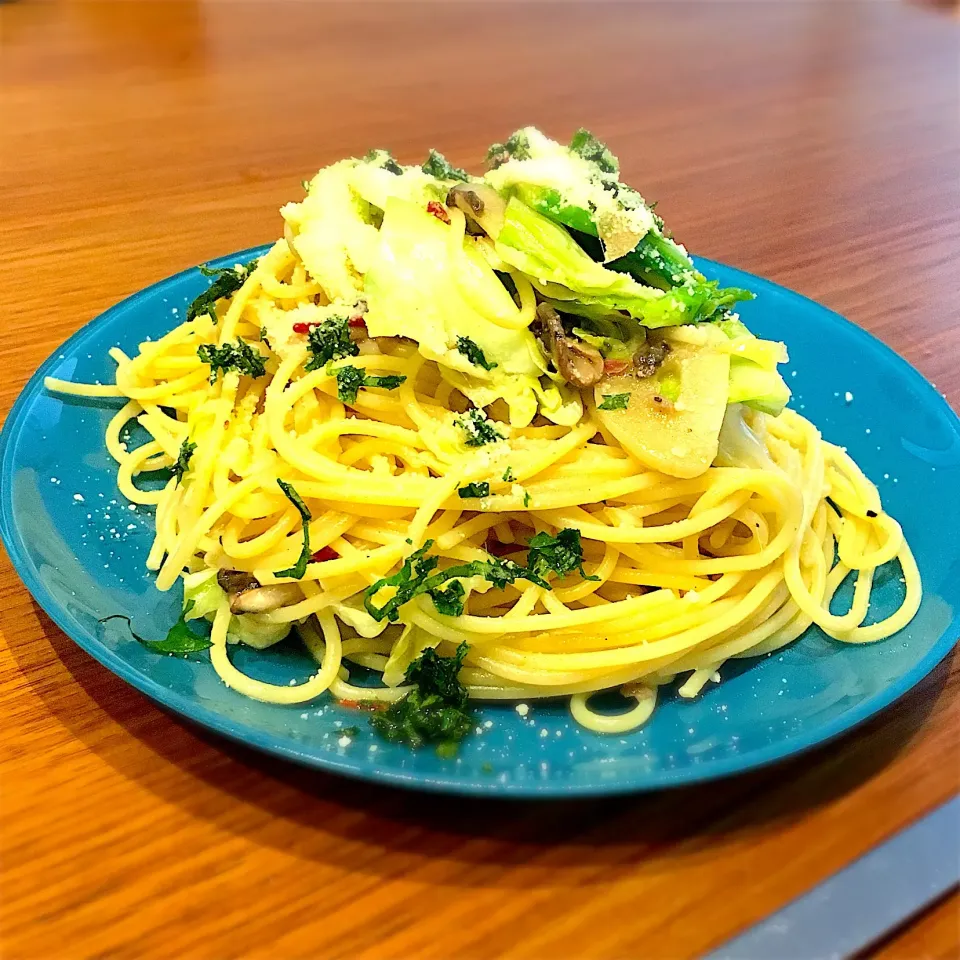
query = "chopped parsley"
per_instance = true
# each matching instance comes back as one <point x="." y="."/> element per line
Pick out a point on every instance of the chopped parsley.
<point x="180" y="467"/>
<point x="263" y="337"/>
<point x="481" y="489"/>
<point x="515" y="147"/>
<point x="227" y="281"/>
<point x="561" y="554"/>
<point x="328" y="341"/>
<point x="300" y="567"/>
<point x="473" y="353"/>
<point x="417" y="577"/>
<point x="477" y="428"/>
<point x="585" y="144"/>
<point x="508" y="475"/>
<point x="239" y="356"/>
<point x="527" y="499"/>
<point x="449" y="600"/>
<point x="384" y="159"/>
<point x="437" y="165"/>
<point x="350" y="379"/>
<point x="435" y="710"/>
<point x="614" y="401"/>
<point x="180" y="639"/>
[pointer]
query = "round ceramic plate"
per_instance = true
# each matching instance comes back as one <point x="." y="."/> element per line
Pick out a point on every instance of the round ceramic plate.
<point x="80" y="549"/>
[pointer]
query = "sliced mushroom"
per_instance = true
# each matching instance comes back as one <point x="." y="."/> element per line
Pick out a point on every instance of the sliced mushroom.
<point x="264" y="599"/>
<point x="580" y="364"/>
<point x="480" y="203"/>
<point x="236" y="581"/>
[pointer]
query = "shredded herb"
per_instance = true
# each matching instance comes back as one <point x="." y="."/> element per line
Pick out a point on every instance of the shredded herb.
<point x="350" y="379"/>
<point x="561" y="554"/>
<point x="300" y="567"/>
<point x="473" y="353"/>
<point x="508" y="475"/>
<point x="515" y="147"/>
<point x="448" y="600"/>
<point x="435" y="710"/>
<point x="437" y="165"/>
<point x="481" y="489"/>
<point x="328" y="341"/>
<point x="614" y="401"/>
<point x="586" y="145"/>
<point x="384" y="159"/>
<point x="180" y="639"/>
<point x="239" y="356"/>
<point x="263" y="338"/>
<point x="477" y="428"/>
<point x="416" y="577"/>
<point x="180" y="467"/>
<point x="527" y="499"/>
<point x="227" y="281"/>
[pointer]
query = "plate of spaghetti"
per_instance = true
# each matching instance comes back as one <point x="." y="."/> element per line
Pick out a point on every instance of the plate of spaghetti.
<point x="481" y="483"/>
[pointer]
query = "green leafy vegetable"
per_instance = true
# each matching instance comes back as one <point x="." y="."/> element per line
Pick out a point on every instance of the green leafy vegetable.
<point x="239" y="356"/>
<point x="478" y="430"/>
<point x="527" y="499"/>
<point x="508" y="475"/>
<point x="481" y="489"/>
<point x="416" y="577"/>
<point x="300" y="567"/>
<point x="448" y="600"/>
<point x="227" y="281"/>
<point x="328" y="341"/>
<point x="180" y="640"/>
<point x="180" y="467"/>
<point x="438" y="166"/>
<point x="515" y="147"/>
<point x="614" y="401"/>
<point x="350" y="379"/>
<point x="384" y="159"/>
<point x="560" y="554"/>
<point x="473" y="353"/>
<point x="586" y="145"/>
<point x="435" y="710"/>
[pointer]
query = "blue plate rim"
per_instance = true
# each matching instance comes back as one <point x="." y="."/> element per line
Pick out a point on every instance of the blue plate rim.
<point x="209" y="719"/>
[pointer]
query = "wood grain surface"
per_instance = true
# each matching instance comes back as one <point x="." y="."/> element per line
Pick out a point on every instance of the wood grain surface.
<point x="813" y="143"/>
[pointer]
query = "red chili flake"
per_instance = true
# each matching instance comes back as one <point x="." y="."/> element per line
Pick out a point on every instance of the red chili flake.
<point x="371" y="706"/>
<point x="325" y="553"/>
<point x="615" y="367"/>
<point x="357" y="321"/>
<point x="438" y="210"/>
<point x="301" y="328"/>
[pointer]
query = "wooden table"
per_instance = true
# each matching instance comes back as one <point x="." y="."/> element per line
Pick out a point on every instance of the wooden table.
<point x="816" y="144"/>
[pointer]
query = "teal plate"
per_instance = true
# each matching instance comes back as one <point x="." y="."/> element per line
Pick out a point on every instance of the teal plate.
<point x="80" y="550"/>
